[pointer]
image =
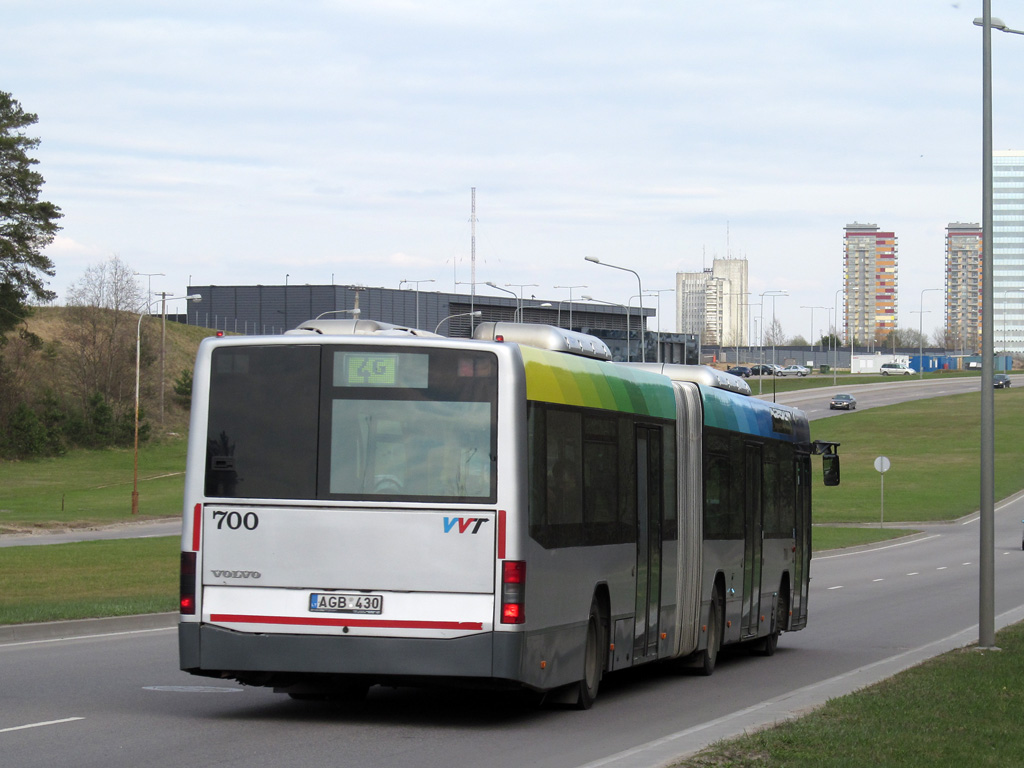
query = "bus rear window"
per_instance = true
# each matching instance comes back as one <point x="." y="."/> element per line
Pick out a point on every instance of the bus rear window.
<point x="409" y="425"/>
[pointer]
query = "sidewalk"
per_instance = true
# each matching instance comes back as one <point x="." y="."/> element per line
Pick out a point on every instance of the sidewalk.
<point x="130" y="530"/>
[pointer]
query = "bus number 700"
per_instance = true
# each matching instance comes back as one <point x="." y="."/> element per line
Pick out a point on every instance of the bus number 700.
<point x="236" y="520"/>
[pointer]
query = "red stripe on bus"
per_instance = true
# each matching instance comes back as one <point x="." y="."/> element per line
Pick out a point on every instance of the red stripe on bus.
<point x="501" y="534"/>
<point x="317" y="621"/>
<point x="197" y="526"/>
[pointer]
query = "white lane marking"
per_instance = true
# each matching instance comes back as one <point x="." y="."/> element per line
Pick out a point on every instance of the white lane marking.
<point x="87" y="637"/>
<point x="912" y="573"/>
<point x="941" y="568"/>
<point x="191" y="689"/>
<point x="839" y="587"/>
<point x="39" y="725"/>
<point x="879" y="580"/>
<point x="878" y="549"/>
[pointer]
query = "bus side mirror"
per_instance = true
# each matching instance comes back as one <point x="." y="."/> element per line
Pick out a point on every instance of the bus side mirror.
<point x="830" y="466"/>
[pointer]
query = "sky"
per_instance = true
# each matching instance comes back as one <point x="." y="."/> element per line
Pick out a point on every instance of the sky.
<point x="338" y="141"/>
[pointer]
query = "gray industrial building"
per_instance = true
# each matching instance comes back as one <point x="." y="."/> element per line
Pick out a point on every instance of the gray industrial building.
<point x="273" y="309"/>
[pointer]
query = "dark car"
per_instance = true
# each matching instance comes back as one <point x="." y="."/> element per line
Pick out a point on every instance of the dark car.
<point x="842" y="402"/>
<point x="1001" y="381"/>
<point x="764" y="369"/>
<point x="739" y="370"/>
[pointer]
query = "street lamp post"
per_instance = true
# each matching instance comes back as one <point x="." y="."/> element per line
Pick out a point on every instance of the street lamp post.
<point x="811" y="340"/>
<point x="417" y="282"/>
<point x="520" y="286"/>
<point x="570" y="287"/>
<point x="920" y="331"/>
<point x="614" y="304"/>
<point x="475" y="313"/>
<point x="986" y="565"/>
<point x="520" y="315"/>
<point x="595" y="260"/>
<point x="773" y="294"/>
<point x="138" y="358"/>
<point x="660" y="291"/>
<point x="506" y="290"/>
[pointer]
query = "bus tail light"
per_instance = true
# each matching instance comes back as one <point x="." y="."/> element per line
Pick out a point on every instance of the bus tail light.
<point x="513" y="592"/>
<point x="188" y="583"/>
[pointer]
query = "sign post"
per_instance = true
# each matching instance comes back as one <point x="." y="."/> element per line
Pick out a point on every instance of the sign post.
<point x="882" y="465"/>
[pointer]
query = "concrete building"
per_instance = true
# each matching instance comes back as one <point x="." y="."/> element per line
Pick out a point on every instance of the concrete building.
<point x="963" y="288"/>
<point x="870" y="282"/>
<point x="1008" y="251"/>
<point x="713" y="303"/>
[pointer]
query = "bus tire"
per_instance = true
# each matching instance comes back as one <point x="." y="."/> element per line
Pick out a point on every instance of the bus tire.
<point x="593" y="660"/>
<point x="709" y="656"/>
<point x="771" y="642"/>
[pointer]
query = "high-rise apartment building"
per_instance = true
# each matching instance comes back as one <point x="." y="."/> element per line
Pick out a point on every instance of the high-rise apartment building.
<point x="963" y="288"/>
<point x="1008" y="251"/>
<point x="713" y="303"/>
<point x="870" y="282"/>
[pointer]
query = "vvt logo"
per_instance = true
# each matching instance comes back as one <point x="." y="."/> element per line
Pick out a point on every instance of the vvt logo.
<point x="464" y="524"/>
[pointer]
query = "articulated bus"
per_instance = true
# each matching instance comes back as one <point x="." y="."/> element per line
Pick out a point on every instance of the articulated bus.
<point x="367" y="504"/>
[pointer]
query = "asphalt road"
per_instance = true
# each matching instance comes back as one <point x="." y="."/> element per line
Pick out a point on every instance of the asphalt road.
<point x="110" y="694"/>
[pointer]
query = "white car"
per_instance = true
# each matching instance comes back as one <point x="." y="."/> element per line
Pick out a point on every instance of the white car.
<point x="897" y="369"/>
<point x="795" y="370"/>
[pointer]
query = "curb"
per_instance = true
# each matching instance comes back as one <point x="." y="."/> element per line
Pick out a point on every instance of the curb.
<point x="63" y="630"/>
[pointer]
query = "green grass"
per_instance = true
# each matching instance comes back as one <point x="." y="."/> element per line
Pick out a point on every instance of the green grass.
<point x="961" y="708"/>
<point x="828" y="537"/>
<point x="94" y="578"/>
<point x="933" y="447"/>
<point x="92" y="487"/>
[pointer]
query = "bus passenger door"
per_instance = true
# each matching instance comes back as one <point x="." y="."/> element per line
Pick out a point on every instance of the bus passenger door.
<point x="648" y="542"/>
<point x="752" y="540"/>
<point x="802" y="537"/>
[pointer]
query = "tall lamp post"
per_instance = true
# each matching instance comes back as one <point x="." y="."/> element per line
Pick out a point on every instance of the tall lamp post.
<point x="811" y="340"/>
<point x="660" y="291"/>
<point x="986" y="564"/>
<point x="138" y="358"/>
<point x="475" y="313"/>
<point x="595" y="260"/>
<point x="417" y="282"/>
<point x="506" y="290"/>
<point x="614" y="304"/>
<point x="570" y="287"/>
<point x="773" y="294"/>
<point x="520" y="286"/>
<point x="920" y="331"/>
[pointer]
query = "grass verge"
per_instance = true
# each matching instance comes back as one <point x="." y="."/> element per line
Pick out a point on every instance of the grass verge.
<point x="828" y="537"/>
<point x="933" y="447"/>
<point x="122" y="577"/>
<point x="961" y="708"/>
<point x="87" y="488"/>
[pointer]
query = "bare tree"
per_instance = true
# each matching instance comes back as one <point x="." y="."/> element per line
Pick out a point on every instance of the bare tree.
<point x="99" y="333"/>
<point x="773" y="334"/>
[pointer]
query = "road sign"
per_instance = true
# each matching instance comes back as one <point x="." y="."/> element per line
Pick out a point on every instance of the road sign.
<point x="882" y="464"/>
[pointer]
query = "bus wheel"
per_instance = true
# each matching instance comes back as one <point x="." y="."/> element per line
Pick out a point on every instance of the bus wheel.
<point x="709" y="655"/>
<point x="769" y="644"/>
<point x="593" y="661"/>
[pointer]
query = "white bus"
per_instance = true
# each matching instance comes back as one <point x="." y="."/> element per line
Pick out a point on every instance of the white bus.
<point x="366" y="504"/>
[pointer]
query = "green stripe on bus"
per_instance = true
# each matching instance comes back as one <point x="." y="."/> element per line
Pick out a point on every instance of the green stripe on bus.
<point x="556" y="377"/>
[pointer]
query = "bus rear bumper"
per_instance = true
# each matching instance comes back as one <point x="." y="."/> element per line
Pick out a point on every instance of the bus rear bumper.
<point x="214" y="651"/>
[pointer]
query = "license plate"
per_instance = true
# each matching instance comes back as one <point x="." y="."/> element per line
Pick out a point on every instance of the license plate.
<point x="335" y="602"/>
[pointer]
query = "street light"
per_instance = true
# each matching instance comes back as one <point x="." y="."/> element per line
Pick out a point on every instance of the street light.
<point x="643" y="352"/>
<point x="773" y="294"/>
<point x="417" y="282"/>
<point x="614" y="304"/>
<point x="521" y="312"/>
<point x="570" y="287"/>
<point x="811" y="340"/>
<point x="520" y="286"/>
<point x="476" y="313"/>
<point x="986" y="565"/>
<point x="138" y="357"/>
<point x="920" y="331"/>
<point x="660" y="291"/>
<point x="149" y="281"/>
<point x="506" y="290"/>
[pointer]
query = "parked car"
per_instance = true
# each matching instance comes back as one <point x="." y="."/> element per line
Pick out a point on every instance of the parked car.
<point x="1001" y="381"/>
<point x="739" y="370"/>
<point x="794" y="370"/>
<point x="764" y="369"/>
<point x="897" y="368"/>
<point x="843" y="402"/>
